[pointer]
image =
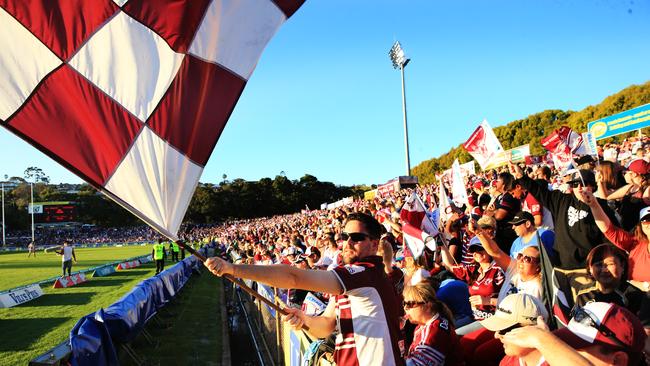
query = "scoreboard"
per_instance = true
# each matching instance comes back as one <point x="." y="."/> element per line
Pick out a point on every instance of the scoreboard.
<point x="52" y="213"/>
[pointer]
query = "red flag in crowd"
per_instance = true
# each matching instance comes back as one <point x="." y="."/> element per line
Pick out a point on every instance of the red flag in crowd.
<point x="483" y="144"/>
<point x="416" y="240"/>
<point x="414" y="213"/>
<point x="561" y="144"/>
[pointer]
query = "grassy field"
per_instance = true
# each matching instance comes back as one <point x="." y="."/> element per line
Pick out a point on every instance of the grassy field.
<point x="17" y="270"/>
<point x="34" y="327"/>
<point x="192" y="327"/>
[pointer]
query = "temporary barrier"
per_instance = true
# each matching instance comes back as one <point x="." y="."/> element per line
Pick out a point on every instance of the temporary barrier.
<point x="93" y="336"/>
<point x="127" y="265"/>
<point x="146" y="259"/>
<point x="104" y="271"/>
<point x="68" y="281"/>
<point x="20" y="295"/>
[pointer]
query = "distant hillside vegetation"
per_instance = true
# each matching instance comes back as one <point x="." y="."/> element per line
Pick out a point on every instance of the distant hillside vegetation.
<point x="532" y="128"/>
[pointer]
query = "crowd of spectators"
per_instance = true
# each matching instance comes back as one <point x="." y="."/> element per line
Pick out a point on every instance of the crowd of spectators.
<point x="484" y="294"/>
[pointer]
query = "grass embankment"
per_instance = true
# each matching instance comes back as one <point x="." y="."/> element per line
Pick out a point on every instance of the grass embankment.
<point x="34" y="327"/>
<point x="191" y="329"/>
<point x="17" y="270"/>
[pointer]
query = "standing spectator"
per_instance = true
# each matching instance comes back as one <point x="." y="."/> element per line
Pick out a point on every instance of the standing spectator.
<point x="528" y="236"/>
<point x="174" y="249"/>
<point x="67" y="256"/>
<point x="31" y="249"/>
<point x="576" y="231"/>
<point x="364" y="306"/>
<point x="503" y="210"/>
<point x="158" y="254"/>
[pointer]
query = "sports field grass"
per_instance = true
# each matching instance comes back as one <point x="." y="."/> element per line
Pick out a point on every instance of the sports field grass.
<point x="17" y="270"/>
<point x="34" y="327"/>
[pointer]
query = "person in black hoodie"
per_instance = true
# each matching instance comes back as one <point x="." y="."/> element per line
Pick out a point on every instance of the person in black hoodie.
<point x="576" y="232"/>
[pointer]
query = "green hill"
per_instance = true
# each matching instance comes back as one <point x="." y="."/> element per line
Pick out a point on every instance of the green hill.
<point x="532" y="128"/>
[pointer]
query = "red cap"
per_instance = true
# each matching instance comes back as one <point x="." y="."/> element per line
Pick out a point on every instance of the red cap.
<point x="605" y="324"/>
<point x="478" y="184"/>
<point x="639" y="166"/>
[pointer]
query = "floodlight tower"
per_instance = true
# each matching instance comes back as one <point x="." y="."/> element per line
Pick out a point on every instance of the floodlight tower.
<point x="400" y="61"/>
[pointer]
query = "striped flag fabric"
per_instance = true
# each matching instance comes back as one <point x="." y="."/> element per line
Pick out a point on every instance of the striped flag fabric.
<point x="414" y="213"/>
<point x="483" y="144"/>
<point x="131" y="95"/>
<point x="417" y="239"/>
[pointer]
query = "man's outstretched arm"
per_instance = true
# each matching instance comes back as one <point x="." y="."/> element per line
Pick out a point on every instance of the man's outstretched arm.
<point x="279" y="275"/>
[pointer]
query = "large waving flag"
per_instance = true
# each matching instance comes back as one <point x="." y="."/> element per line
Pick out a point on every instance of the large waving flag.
<point x="417" y="239"/>
<point x="562" y="144"/>
<point x="483" y="144"/>
<point x="131" y="95"/>
<point x="414" y="213"/>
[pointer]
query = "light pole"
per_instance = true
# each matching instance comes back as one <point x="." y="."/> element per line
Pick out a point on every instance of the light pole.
<point x="31" y="185"/>
<point x="400" y="61"/>
<point x="4" y="242"/>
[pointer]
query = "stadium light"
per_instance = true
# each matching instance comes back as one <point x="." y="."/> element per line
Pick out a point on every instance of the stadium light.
<point x="400" y="61"/>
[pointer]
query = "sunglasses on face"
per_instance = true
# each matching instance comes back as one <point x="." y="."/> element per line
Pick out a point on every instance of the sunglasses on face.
<point x="354" y="236"/>
<point x="413" y="304"/>
<point x="526" y="258"/>
<point x="585" y="318"/>
<point x="504" y="331"/>
<point x="575" y="184"/>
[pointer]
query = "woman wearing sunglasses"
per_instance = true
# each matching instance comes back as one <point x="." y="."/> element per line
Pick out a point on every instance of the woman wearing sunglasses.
<point x="435" y="341"/>
<point x="636" y="243"/>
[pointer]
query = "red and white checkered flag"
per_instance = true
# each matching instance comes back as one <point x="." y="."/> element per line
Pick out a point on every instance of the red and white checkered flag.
<point x="131" y="95"/>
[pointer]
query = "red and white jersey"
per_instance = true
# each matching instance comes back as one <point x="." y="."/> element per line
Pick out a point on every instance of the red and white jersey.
<point x="488" y="283"/>
<point x="435" y="343"/>
<point x="367" y="315"/>
<point x="532" y="205"/>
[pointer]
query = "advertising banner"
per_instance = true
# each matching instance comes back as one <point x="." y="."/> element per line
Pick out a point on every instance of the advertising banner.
<point x="630" y="120"/>
<point x="68" y="281"/>
<point x="20" y="295"/>
<point x="104" y="271"/>
<point x="516" y="155"/>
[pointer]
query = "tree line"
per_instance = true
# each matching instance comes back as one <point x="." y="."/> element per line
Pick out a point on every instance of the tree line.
<point x="533" y="128"/>
<point x="211" y="202"/>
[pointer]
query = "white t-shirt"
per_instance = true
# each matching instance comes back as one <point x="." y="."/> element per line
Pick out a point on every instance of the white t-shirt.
<point x="67" y="254"/>
<point x="515" y="285"/>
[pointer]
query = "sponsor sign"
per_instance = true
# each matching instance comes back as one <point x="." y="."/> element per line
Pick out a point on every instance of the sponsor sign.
<point x="128" y="265"/>
<point x="68" y="281"/>
<point x="104" y="271"/>
<point x="34" y="209"/>
<point x="20" y="295"/>
<point x="630" y="120"/>
<point x="267" y="292"/>
<point x="146" y="259"/>
<point x="516" y="155"/>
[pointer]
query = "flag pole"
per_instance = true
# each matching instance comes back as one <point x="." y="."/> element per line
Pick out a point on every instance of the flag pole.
<point x="238" y="282"/>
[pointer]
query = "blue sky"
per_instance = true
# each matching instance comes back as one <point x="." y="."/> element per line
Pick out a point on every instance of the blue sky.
<point x="325" y="100"/>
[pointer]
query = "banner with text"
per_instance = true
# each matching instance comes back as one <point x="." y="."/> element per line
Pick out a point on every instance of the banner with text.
<point x="630" y="120"/>
<point x="516" y="155"/>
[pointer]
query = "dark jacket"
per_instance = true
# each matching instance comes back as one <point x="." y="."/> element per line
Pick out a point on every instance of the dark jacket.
<point x="576" y="232"/>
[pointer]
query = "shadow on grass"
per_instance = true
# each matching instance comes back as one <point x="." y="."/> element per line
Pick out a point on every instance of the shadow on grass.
<point x="103" y="282"/>
<point x="19" y="334"/>
<point x="78" y="298"/>
<point x="135" y="272"/>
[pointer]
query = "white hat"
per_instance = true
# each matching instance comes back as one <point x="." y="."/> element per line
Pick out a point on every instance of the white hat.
<point x="515" y="309"/>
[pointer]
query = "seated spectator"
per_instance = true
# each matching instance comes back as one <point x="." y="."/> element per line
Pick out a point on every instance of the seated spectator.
<point x="455" y="294"/>
<point x="608" y="266"/>
<point x="598" y="334"/>
<point x="435" y="341"/>
<point x="484" y="278"/>
<point x="515" y="311"/>
<point x="637" y="243"/>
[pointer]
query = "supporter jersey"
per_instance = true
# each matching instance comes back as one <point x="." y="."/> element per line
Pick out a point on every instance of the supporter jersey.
<point x="434" y="343"/>
<point x="488" y="283"/>
<point x="532" y="205"/>
<point x="367" y="315"/>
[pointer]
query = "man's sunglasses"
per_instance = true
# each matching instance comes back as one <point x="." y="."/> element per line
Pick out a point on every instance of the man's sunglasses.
<point x="527" y="258"/>
<point x="354" y="236"/>
<point x="585" y="318"/>
<point x="413" y="304"/>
